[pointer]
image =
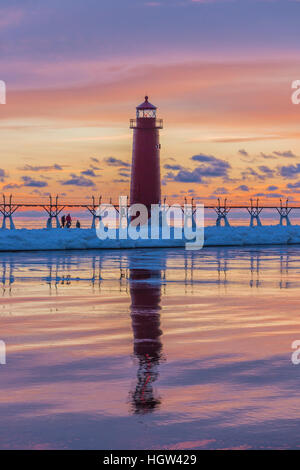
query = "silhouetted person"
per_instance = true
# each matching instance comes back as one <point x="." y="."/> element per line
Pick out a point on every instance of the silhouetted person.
<point x="78" y="224"/>
<point x="63" y="220"/>
<point x="145" y="308"/>
<point x="68" y="221"/>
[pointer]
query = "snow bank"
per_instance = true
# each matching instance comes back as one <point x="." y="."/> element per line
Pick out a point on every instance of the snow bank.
<point x="84" y="239"/>
<point x="265" y="235"/>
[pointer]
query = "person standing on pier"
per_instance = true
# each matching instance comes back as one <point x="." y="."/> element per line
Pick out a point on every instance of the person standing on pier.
<point x="69" y="221"/>
<point x="63" y="220"/>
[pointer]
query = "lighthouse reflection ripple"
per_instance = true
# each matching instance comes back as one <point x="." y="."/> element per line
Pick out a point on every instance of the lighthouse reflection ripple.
<point x="145" y="294"/>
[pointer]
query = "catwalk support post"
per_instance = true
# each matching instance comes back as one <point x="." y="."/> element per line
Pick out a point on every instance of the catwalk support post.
<point x="7" y="209"/>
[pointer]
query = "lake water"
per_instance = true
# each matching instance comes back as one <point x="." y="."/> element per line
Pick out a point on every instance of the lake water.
<point x="161" y="349"/>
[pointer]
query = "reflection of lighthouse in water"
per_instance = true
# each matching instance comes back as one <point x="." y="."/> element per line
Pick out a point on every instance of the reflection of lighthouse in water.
<point x="145" y="308"/>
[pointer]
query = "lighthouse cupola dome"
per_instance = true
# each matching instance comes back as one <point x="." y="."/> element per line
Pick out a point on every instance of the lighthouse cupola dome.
<point x="146" y="110"/>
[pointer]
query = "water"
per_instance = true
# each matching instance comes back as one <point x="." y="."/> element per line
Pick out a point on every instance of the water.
<point x="161" y="349"/>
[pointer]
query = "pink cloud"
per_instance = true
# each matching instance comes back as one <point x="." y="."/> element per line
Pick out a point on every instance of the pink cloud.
<point x="226" y="95"/>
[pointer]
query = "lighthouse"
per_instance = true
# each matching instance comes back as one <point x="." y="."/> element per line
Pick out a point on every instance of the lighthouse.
<point x="145" y="171"/>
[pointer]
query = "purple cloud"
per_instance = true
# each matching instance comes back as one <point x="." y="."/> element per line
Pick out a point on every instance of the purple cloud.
<point x="78" y="181"/>
<point x="30" y="182"/>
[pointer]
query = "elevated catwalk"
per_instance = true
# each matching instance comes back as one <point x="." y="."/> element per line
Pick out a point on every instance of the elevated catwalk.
<point x="53" y="206"/>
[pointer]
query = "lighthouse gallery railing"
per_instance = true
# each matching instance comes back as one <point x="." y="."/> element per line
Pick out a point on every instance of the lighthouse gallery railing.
<point x="158" y="124"/>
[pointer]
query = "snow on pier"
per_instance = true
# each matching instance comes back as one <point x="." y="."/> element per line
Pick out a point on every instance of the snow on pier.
<point x="222" y="234"/>
<point x="85" y="239"/>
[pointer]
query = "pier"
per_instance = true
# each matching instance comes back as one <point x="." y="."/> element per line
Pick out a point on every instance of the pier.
<point x="54" y="205"/>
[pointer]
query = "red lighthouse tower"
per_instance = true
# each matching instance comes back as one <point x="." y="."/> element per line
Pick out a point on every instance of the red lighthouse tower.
<point x="145" y="172"/>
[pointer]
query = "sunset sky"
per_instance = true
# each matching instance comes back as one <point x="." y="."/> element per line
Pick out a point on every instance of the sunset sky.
<point x="220" y="72"/>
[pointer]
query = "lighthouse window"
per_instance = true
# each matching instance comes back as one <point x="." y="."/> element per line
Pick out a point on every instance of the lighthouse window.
<point x="146" y="113"/>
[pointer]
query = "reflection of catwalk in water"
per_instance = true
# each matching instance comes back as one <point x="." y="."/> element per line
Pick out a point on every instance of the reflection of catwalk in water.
<point x="7" y="275"/>
<point x="284" y="271"/>
<point x="145" y="300"/>
<point x="255" y="269"/>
